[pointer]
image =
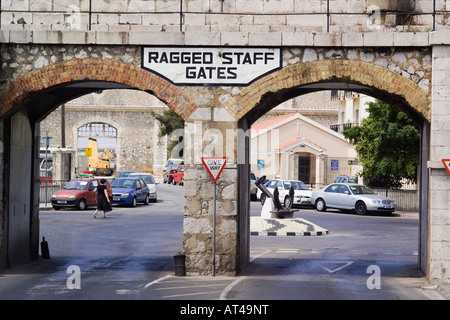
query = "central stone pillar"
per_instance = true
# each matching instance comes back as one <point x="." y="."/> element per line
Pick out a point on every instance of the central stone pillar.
<point x="210" y="132"/>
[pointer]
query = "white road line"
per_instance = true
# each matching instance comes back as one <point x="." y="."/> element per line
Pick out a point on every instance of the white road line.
<point x="189" y="287"/>
<point x="156" y="281"/>
<point x="259" y="255"/>
<point x="189" y="294"/>
<point x="223" y="295"/>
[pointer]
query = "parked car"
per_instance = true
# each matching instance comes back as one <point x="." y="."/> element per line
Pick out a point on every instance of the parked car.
<point x="350" y="196"/>
<point x="168" y="174"/>
<point x="124" y="173"/>
<point x="173" y="162"/>
<point x="78" y="193"/>
<point x="346" y="179"/>
<point x="150" y="181"/>
<point x="302" y="192"/>
<point x="178" y="177"/>
<point x="129" y="191"/>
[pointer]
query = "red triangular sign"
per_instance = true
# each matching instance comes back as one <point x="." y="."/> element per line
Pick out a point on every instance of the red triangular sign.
<point x="215" y="166"/>
<point x="446" y="163"/>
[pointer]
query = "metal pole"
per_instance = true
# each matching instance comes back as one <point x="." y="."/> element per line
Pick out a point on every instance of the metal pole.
<point x="181" y="15"/>
<point x="434" y="15"/>
<point x="328" y="15"/>
<point x="214" y="235"/>
<point x="90" y="14"/>
<point x="46" y="171"/>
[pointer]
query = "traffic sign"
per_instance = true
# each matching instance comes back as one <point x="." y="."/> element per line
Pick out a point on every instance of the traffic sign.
<point x="215" y="166"/>
<point x="446" y="163"/>
<point x="88" y="152"/>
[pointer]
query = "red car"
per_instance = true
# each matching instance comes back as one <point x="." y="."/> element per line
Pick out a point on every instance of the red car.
<point x="78" y="193"/>
<point x="178" y="177"/>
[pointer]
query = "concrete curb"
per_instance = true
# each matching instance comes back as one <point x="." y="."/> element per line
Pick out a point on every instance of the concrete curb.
<point x="284" y="227"/>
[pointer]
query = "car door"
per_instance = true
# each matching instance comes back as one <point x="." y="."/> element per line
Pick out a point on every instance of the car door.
<point x="139" y="196"/>
<point x="343" y="197"/>
<point x="330" y="195"/>
<point x="91" y="197"/>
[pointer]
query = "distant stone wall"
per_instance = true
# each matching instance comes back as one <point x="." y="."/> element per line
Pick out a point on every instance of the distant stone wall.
<point x="138" y="146"/>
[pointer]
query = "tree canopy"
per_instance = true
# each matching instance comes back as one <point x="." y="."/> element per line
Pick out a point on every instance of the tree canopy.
<point x="388" y="145"/>
<point x="170" y="121"/>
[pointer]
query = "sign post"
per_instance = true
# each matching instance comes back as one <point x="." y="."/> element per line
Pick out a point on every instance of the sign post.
<point x="214" y="166"/>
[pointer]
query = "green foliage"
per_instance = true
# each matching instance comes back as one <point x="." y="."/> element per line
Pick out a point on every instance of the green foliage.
<point x="388" y="146"/>
<point x="170" y="121"/>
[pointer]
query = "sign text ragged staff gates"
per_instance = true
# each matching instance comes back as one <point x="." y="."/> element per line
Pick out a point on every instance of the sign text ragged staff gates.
<point x="210" y="65"/>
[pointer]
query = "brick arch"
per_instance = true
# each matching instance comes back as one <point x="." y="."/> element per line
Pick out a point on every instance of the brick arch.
<point x="344" y="71"/>
<point x="65" y="73"/>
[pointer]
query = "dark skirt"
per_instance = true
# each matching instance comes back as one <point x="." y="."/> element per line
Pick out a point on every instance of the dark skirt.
<point x="103" y="204"/>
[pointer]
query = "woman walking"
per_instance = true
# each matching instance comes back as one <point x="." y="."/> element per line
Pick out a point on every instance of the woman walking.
<point x="103" y="202"/>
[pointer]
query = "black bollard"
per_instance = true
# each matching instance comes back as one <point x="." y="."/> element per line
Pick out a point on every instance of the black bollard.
<point x="180" y="266"/>
<point x="44" y="249"/>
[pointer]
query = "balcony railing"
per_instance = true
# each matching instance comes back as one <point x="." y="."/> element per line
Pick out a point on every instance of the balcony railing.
<point x="339" y="128"/>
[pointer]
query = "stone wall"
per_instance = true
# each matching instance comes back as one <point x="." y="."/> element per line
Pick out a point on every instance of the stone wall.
<point x="242" y="16"/>
<point x="138" y="145"/>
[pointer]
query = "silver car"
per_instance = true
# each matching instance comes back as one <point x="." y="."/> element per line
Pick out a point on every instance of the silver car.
<point x="349" y="196"/>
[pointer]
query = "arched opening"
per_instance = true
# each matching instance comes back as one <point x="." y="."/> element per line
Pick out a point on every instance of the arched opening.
<point x="35" y="95"/>
<point x="316" y="76"/>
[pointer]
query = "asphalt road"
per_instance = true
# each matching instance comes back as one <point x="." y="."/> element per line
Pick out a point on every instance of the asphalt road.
<point x="129" y="255"/>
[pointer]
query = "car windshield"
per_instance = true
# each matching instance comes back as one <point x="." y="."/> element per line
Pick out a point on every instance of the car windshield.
<point x="123" y="183"/>
<point x="361" y="190"/>
<point x="76" y="185"/>
<point x="297" y="185"/>
<point x="149" y="180"/>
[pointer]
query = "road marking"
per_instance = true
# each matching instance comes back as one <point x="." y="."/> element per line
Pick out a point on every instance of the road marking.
<point x="287" y="250"/>
<point x="337" y="269"/>
<point x="259" y="255"/>
<point x="189" y="294"/>
<point x="223" y="295"/>
<point x="189" y="287"/>
<point x="156" y="281"/>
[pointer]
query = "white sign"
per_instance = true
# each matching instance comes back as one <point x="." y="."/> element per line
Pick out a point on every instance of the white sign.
<point x="210" y="65"/>
<point x="214" y="165"/>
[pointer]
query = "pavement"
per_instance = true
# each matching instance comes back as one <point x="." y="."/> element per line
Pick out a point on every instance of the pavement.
<point x="303" y="227"/>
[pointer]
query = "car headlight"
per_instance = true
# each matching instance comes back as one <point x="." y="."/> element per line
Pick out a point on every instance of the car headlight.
<point x="125" y="195"/>
<point x="53" y="196"/>
<point x="376" y="201"/>
<point x="72" y="196"/>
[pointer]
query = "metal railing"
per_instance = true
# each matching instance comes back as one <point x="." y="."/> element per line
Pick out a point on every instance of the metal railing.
<point x="181" y="14"/>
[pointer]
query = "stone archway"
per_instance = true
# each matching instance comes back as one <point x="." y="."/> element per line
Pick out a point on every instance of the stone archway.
<point x="66" y="73"/>
<point x="285" y="81"/>
<point x="268" y="92"/>
<point x="36" y="94"/>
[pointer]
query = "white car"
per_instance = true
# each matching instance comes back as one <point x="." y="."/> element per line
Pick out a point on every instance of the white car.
<point x="150" y="181"/>
<point x="350" y="196"/>
<point x="302" y="193"/>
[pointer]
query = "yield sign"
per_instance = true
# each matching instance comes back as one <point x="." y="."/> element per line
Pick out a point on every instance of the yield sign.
<point x="446" y="163"/>
<point x="214" y="165"/>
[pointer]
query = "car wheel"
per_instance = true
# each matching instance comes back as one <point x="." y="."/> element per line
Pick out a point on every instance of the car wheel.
<point x="174" y="182"/>
<point x="133" y="202"/>
<point x="262" y="198"/>
<point x="320" y="205"/>
<point x="56" y="208"/>
<point x="82" y="204"/>
<point x="360" y="208"/>
<point x="146" y="200"/>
